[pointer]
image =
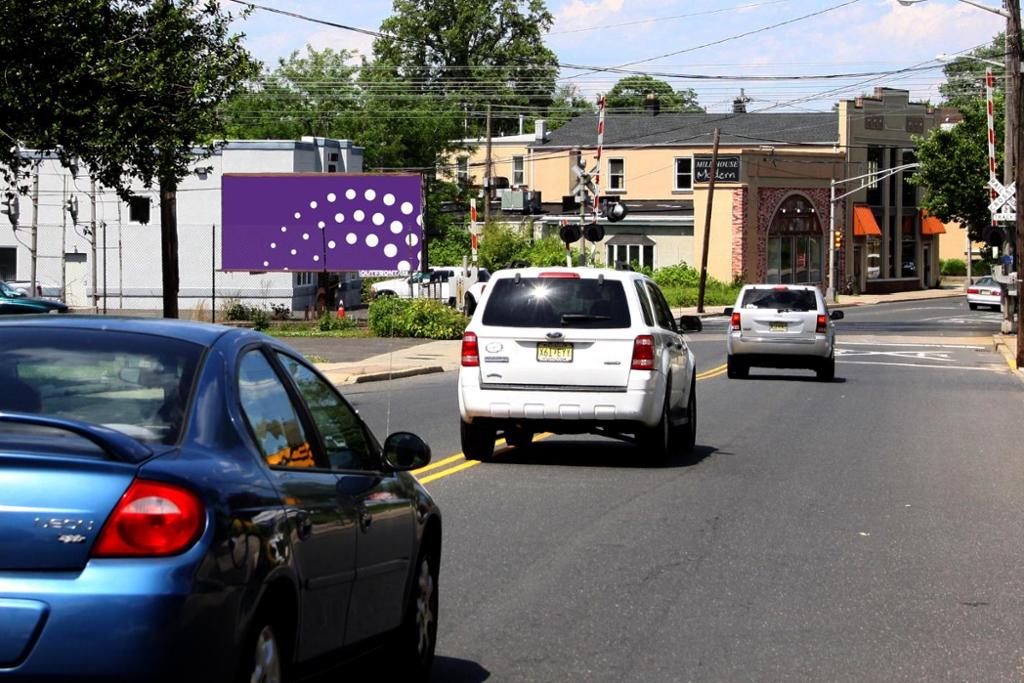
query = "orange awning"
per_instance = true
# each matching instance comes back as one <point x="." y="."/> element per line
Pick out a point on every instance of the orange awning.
<point x="930" y="225"/>
<point x="864" y="224"/>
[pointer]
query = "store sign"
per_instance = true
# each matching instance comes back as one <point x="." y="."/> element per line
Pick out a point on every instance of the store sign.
<point x="728" y="169"/>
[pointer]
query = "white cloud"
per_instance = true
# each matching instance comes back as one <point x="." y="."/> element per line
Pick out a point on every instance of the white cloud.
<point x="338" y="39"/>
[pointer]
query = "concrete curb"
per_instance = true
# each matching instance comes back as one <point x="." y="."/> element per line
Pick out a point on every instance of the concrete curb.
<point x="395" y="374"/>
<point x="1008" y="356"/>
<point x="855" y="304"/>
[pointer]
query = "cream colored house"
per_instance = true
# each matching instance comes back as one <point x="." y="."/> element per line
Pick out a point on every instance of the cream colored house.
<point x="770" y="211"/>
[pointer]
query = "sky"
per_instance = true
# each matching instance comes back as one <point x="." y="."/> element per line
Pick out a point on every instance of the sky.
<point x="861" y="36"/>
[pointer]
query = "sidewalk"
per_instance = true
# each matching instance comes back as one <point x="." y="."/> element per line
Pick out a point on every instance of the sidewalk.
<point x="1006" y="344"/>
<point x="442" y="356"/>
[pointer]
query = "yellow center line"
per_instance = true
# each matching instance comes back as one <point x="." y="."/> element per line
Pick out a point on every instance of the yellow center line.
<point x="707" y="374"/>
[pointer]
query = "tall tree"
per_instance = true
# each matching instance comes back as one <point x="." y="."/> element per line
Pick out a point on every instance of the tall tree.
<point x="311" y="93"/>
<point x="965" y="78"/>
<point x="631" y="92"/>
<point x="482" y="51"/>
<point x="140" y="97"/>
<point x="954" y="168"/>
<point x="568" y="102"/>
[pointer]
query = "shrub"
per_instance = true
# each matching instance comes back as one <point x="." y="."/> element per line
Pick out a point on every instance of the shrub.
<point x="280" y="311"/>
<point x="329" y="322"/>
<point x="953" y="267"/>
<point x="260" y="318"/>
<point x="235" y="310"/>
<point x="426" y="318"/>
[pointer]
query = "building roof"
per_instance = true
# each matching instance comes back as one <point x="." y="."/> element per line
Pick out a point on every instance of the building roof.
<point x="670" y="130"/>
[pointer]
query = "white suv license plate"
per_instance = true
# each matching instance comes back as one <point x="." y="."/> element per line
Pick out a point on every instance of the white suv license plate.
<point x="777" y="327"/>
<point x="554" y="353"/>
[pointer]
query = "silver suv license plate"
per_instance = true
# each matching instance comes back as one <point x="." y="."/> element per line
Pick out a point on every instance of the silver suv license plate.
<point x="554" y="353"/>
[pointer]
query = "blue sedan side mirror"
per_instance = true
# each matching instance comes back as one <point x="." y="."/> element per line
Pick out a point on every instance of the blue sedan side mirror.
<point x="404" y="451"/>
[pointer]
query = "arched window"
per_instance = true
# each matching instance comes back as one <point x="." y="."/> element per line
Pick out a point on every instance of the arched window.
<point x="795" y="243"/>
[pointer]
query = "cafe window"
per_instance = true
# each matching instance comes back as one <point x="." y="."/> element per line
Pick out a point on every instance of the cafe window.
<point x="8" y="263"/>
<point x="684" y="174"/>
<point x="641" y="255"/>
<point x="795" y="243"/>
<point x="616" y="174"/>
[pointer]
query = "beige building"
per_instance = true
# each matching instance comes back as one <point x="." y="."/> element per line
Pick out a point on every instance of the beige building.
<point x="770" y="210"/>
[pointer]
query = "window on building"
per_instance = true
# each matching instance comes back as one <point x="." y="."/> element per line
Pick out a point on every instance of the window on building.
<point x="518" y="171"/>
<point x="874" y="257"/>
<point x="462" y="171"/>
<point x="332" y="168"/>
<point x="616" y="174"/>
<point x="333" y="156"/>
<point x="891" y="270"/>
<point x="634" y="254"/>
<point x="795" y="243"/>
<point x="684" y="174"/>
<point x="8" y="263"/>
<point x="874" y="165"/>
<point x="138" y="210"/>
<point x="303" y="279"/>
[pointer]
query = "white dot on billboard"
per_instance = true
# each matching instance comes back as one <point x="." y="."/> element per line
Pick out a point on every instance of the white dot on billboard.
<point x="266" y="263"/>
<point x="331" y="196"/>
<point x="339" y="217"/>
<point x="372" y="240"/>
<point x="316" y="257"/>
<point x="298" y="215"/>
<point x="390" y="250"/>
<point x="370" y="195"/>
<point x="378" y="219"/>
<point x="411" y="239"/>
<point x="403" y="265"/>
<point x="419" y="220"/>
<point x="284" y="228"/>
<point x="305" y="235"/>
<point x="321" y="225"/>
<point x="294" y="252"/>
<point x="351" y="238"/>
<point x="396" y="227"/>
<point x="359" y="216"/>
<point x="312" y="205"/>
<point x="406" y="208"/>
<point x="332" y="244"/>
<point x="273" y="245"/>
<point x="350" y="194"/>
<point x="389" y="199"/>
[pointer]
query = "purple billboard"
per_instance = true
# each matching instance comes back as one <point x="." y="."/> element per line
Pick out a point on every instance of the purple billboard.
<point x="317" y="221"/>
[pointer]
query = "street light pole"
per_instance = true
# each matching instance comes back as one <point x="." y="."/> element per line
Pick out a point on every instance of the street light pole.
<point x="1014" y="48"/>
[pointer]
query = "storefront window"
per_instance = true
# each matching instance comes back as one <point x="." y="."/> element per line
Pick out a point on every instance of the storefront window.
<point x="909" y="266"/>
<point x="874" y="257"/>
<point x="795" y="244"/>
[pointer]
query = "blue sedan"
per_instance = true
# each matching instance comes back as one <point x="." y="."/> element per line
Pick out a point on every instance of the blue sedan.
<point x="187" y="502"/>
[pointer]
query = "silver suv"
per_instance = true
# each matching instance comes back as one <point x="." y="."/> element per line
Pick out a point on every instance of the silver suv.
<point x="573" y="351"/>
<point x="781" y="326"/>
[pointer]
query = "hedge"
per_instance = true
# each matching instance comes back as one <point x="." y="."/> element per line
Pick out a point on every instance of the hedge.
<point x="426" y="318"/>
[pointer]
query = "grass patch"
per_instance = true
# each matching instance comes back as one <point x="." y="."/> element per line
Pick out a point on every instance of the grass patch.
<point x="314" y="333"/>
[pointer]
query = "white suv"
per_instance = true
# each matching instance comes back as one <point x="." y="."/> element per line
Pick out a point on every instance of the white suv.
<point x="781" y="326"/>
<point x="572" y="351"/>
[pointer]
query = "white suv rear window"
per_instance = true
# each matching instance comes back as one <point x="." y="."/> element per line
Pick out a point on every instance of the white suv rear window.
<point x="781" y="299"/>
<point x="557" y="302"/>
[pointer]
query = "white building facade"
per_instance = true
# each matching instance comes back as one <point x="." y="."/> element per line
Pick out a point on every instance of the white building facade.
<point x="127" y="274"/>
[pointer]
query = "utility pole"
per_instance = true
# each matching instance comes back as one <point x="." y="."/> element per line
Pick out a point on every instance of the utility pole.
<point x="35" y="230"/>
<point x="1013" y="29"/>
<point x="104" y="226"/>
<point x="92" y="246"/>
<point x="712" y="174"/>
<point x="488" y="180"/>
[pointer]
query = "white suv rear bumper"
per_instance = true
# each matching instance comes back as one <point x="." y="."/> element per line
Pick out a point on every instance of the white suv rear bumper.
<point x="820" y="346"/>
<point x="640" y="401"/>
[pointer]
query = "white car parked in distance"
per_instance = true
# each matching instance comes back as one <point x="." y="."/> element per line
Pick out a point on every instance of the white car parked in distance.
<point x="985" y="291"/>
<point x="574" y="351"/>
<point x="781" y="326"/>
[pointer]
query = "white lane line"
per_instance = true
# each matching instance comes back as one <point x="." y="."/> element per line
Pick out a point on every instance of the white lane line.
<point x="915" y="365"/>
<point x="921" y="346"/>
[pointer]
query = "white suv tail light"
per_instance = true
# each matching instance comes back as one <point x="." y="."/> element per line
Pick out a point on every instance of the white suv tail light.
<point x="643" y="353"/>
<point x="470" y="351"/>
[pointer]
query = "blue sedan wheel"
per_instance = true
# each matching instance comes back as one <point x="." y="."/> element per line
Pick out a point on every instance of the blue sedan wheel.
<point x="266" y="664"/>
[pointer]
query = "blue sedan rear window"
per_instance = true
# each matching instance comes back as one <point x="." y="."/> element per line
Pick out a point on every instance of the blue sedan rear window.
<point x="135" y="383"/>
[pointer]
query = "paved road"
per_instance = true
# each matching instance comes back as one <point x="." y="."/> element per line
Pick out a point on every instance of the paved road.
<point x="867" y="529"/>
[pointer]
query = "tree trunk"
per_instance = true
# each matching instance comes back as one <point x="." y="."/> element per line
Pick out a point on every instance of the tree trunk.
<point x="169" y="245"/>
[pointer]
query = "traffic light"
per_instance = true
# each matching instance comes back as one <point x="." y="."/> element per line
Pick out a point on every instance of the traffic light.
<point x="994" y="238"/>
<point x="616" y="212"/>
<point x="570" y="232"/>
<point x="11" y="207"/>
<point x="838" y="239"/>
<point x="71" y="205"/>
<point x="594" y="232"/>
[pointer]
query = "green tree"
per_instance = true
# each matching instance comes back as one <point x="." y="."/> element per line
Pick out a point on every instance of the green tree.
<point x="481" y="51"/>
<point x="311" y="93"/>
<point x="630" y="93"/>
<point x="142" y="102"/>
<point x="954" y="168"/>
<point x="567" y="103"/>
<point x="965" y="78"/>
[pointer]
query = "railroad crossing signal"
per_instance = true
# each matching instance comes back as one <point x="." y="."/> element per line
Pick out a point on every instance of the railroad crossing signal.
<point x="1004" y="202"/>
<point x="584" y="184"/>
